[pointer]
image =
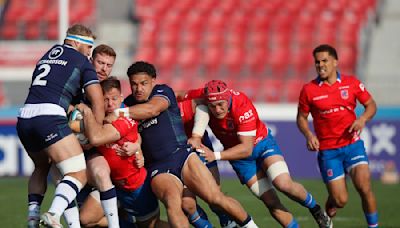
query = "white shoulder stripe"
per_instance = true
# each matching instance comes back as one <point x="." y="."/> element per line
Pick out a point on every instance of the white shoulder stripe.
<point x="248" y="133"/>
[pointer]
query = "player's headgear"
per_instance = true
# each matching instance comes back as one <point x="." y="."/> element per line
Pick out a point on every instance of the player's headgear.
<point x="216" y="90"/>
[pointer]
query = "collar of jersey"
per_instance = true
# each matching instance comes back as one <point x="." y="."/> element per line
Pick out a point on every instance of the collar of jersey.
<point x="338" y="78"/>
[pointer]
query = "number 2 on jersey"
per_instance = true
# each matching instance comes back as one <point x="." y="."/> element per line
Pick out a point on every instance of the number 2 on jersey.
<point x="39" y="78"/>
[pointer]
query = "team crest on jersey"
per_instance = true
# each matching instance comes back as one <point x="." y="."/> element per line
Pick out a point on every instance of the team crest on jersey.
<point x="344" y="94"/>
<point x="56" y="52"/>
<point x="329" y="172"/>
<point x="230" y="124"/>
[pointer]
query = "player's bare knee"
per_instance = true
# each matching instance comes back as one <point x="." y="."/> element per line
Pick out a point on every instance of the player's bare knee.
<point x="341" y="200"/>
<point x="215" y="200"/>
<point x="284" y="185"/>
<point x="188" y="205"/>
<point x="101" y="174"/>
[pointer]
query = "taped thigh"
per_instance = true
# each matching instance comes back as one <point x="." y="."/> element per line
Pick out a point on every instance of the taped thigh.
<point x="73" y="164"/>
<point x="261" y="186"/>
<point x="277" y="169"/>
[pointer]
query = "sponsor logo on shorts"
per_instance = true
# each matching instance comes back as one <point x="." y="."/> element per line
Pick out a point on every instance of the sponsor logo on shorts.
<point x="50" y="137"/>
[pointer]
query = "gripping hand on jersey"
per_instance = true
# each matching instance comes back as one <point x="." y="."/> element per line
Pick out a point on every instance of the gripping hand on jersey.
<point x="206" y="153"/>
<point x="195" y="141"/>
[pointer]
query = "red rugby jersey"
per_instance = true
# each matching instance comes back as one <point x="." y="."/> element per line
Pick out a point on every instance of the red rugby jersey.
<point x="124" y="172"/>
<point x="332" y="108"/>
<point x="242" y="119"/>
<point x="187" y="115"/>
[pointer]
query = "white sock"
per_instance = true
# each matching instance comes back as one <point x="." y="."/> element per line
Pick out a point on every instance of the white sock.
<point x="65" y="193"/>
<point x="33" y="210"/>
<point x="250" y="224"/>
<point x="71" y="216"/>
<point x="109" y="203"/>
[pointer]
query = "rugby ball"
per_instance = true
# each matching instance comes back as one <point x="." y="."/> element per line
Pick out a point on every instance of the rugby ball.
<point x="76" y="125"/>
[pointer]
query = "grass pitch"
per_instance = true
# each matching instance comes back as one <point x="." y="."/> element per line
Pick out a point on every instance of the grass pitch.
<point x="13" y="204"/>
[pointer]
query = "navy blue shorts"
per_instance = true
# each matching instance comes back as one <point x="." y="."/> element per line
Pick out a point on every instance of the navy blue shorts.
<point x="172" y="165"/>
<point x="141" y="203"/>
<point x="40" y="132"/>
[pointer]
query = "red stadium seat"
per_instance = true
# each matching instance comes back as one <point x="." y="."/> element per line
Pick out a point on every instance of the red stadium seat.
<point x="278" y="61"/>
<point x="166" y="58"/>
<point x="32" y="31"/>
<point x="233" y="59"/>
<point x="248" y="85"/>
<point x="216" y="21"/>
<point x="52" y="31"/>
<point x="292" y="88"/>
<point x="256" y="60"/>
<point x="270" y="90"/>
<point x="9" y="31"/>
<point x="145" y="53"/>
<point x="188" y="60"/>
<point x="213" y="39"/>
<point x="347" y="59"/>
<point x="212" y="57"/>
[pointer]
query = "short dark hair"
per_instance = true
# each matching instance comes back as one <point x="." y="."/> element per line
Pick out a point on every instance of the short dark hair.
<point x="326" y="48"/>
<point x="103" y="49"/>
<point x="110" y="83"/>
<point x="142" y="67"/>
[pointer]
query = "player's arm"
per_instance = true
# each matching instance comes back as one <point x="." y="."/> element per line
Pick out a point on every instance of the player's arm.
<point x="152" y="108"/>
<point x="98" y="134"/>
<point x="368" y="114"/>
<point x="302" y="124"/>
<point x="189" y="94"/>
<point x="240" y="151"/>
<point x="94" y="94"/>
<point x="201" y="118"/>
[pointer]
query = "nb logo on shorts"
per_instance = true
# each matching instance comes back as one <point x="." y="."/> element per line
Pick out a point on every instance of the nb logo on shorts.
<point x="154" y="173"/>
<point x="357" y="157"/>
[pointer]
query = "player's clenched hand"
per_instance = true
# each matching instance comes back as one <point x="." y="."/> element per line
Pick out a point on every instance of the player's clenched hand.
<point x="357" y="125"/>
<point x="83" y="108"/>
<point x="195" y="141"/>
<point x="206" y="153"/>
<point x="312" y="143"/>
<point x="127" y="149"/>
<point x="139" y="159"/>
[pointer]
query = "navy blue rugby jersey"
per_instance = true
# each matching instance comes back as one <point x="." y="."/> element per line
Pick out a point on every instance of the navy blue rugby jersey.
<point x="59" y="76"/>
<point x="164" y="134"/>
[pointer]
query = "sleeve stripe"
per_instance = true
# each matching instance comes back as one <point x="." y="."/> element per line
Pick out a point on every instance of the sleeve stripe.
<point x="248" y="133"/>
<point x="161" y="95"/>
<point x="91" y="82"/>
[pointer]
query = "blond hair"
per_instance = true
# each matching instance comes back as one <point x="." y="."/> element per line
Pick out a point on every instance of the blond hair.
<point x="79" y="29"/>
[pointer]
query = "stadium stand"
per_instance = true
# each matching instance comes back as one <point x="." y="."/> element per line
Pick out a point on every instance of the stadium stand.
<point x="249" y="43"/>
<point x="264" y="41"/>
<point x="37" y="19"/>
